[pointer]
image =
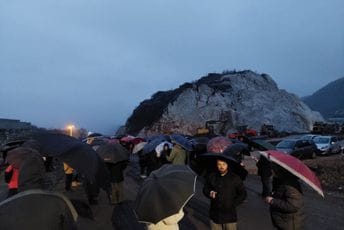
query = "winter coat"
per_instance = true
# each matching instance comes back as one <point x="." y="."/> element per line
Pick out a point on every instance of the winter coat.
<point x="230" y="193"/>
<point x="177" y="155"/>
<point x="169" y="223"/>
<point x="12" y="177"/>
<point x="264" y="167"/>
<point x="287" y="206"/>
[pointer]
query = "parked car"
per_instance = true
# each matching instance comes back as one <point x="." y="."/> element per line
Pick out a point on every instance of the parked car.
<point x="308" y="137"/>
<point x="302" y="149"/>
<point x="327" y="144"/>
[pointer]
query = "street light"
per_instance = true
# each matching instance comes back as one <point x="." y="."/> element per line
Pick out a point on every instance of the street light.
<point x="70" y="127"/>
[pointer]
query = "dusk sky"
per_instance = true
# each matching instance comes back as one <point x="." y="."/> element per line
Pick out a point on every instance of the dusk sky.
<point x="91" y="62"/>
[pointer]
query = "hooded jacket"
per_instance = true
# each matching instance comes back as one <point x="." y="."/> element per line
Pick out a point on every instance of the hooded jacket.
<point x="287" y="206"/>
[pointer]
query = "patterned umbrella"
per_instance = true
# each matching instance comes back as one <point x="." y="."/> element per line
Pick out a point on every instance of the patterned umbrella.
<point x="218" y="144"/>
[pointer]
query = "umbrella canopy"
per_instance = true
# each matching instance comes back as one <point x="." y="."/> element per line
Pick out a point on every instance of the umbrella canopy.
<point x="137" y="140"/>
<point x="153" y="142"/>
<point x="37" y="209"/>
<point x="218" y="144"/>
<point x="17" y="157"/>
<point x="138" y="147"/>
<point x="182" y="141"/>
<point x="237" y="151"/>
<point x="200" y="140"/>
<point x="164" y="193"/>
<point x="296" y="167"/>
<point x="257" y="143"/>
<point x="78" y="155"/>
<point x="127" y="138"/>
<point x="113" y="153"/>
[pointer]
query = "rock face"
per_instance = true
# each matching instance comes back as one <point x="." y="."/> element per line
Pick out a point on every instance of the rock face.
<point x="329" y="100"/>
<point x="236" y="98"/>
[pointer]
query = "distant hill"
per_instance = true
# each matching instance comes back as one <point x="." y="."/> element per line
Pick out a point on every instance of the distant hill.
<point x="329" y="100"/>
<point x="234" y="98"/>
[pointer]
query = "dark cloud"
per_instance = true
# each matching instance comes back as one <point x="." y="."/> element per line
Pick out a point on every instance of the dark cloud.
<point x="92" y="62"/>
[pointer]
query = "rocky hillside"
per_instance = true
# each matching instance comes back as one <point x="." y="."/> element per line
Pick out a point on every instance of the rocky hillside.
<point x="236" y="98"/>
<point x="329" y="100"/>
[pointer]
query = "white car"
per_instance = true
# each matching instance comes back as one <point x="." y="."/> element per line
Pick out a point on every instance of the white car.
<point x="327" y="144"/>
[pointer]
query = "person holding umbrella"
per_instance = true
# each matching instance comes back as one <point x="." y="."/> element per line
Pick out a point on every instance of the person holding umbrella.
<point x="265" y="173"/>
<point x="162" y="196"/>
<point x="225" y="191"/>
<point x="177" y="155"/>
<point x="286" y="203"/>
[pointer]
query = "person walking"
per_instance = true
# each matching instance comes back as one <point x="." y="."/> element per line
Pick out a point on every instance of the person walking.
<point x="177" y="155"/>
<point x="12" y="180"/>
<point x="265" y="173"/>
<point x="225" y="191"/>
<point x="286" y="203"/>
<point x="116" y="179"/>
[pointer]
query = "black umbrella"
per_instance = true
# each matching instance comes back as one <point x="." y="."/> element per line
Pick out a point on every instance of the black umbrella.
<point x="37" y="209"/>
<point x="262" y="145"/>
<point x="164" y="193"/>
<point x="199" y="145"/>
<point x="78" y="155"/>
<point x="154" y="142"/>
<point x="237" y="151"/>
<point x="182" y="141"/>
<point x="16" y="157"/>
<point x="113" y="153"/>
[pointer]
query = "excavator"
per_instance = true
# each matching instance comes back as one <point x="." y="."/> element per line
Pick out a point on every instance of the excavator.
<point x="212" y="127"/>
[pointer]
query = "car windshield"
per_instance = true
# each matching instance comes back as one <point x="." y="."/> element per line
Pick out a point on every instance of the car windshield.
<point x="286" y="144"/>
<point x="308" y="137"/>
<point x="321" y="140"/>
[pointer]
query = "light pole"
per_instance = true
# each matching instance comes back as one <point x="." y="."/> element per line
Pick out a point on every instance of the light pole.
<point x="71" y="127"/>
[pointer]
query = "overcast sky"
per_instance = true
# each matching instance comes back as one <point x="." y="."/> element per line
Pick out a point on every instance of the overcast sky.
<point x="91" y="62"/>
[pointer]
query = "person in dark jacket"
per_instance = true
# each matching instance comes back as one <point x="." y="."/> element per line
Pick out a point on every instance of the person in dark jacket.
<point x="286" y="203"/>
<point x="265" y="173"/>
<point x="117" y="178"/>
<point x="226" y="191"/>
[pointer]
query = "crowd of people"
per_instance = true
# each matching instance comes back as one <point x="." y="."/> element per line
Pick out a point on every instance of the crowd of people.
<point x="223" y="187"/>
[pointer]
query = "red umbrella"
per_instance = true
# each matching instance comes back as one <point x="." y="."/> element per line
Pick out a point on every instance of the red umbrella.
<point x="127" y="138"/>
<point x="296" y="167"/>
<point x="218" y="144"/>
